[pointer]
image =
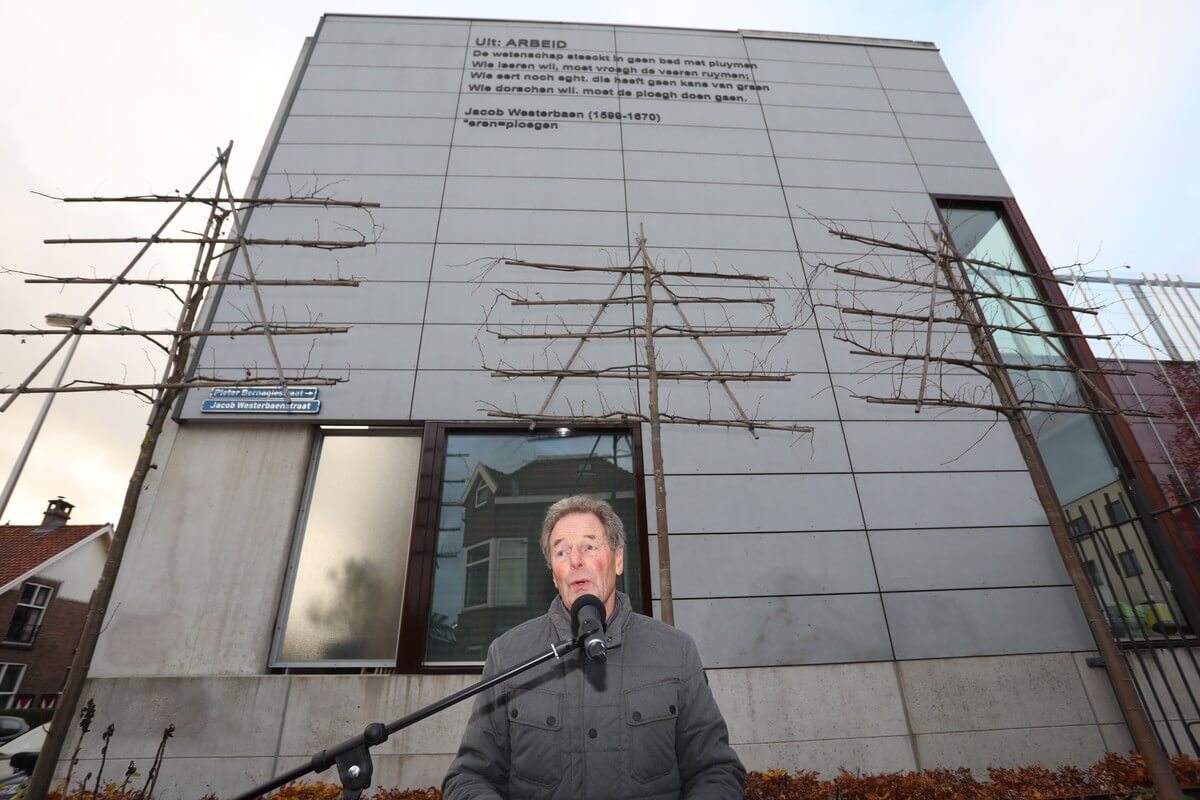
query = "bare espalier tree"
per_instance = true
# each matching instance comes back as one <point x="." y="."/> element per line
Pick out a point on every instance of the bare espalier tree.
<point x="672" y="290"/>
<point x="223" y="259"/>
<point x="935" y="321"/>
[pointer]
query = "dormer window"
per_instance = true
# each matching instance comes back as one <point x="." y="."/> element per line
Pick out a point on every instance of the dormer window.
<point x="482" y="495"/>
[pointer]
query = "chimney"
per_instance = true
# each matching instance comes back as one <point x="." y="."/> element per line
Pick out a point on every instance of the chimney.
<point x="57" y="513"/>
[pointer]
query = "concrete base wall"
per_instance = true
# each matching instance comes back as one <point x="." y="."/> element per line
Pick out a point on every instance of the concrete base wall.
<point x="233" y="732"/>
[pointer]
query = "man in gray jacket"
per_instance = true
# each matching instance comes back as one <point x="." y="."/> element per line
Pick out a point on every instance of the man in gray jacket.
<point x="642" y="725"/>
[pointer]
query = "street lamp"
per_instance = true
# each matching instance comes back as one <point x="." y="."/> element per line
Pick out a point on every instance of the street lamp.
<point x="57" y="321"/>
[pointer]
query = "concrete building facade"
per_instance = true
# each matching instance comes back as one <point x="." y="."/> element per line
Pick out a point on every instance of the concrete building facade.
<point x="881" y="595"/>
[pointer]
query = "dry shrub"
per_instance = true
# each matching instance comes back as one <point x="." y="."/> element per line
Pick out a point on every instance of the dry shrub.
<point x="1113" y="776"/>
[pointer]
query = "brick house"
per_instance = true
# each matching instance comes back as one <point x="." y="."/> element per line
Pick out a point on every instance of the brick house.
<point x="47" y="574"/>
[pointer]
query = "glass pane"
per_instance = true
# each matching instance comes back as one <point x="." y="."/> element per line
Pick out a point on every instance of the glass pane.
<point x="11" y="677"/>
<point x="349" y="578"/>
<point x="1085" y="477"/>
<point x="496" y="489"/>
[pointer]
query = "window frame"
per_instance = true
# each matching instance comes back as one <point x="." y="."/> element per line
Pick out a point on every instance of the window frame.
<point x="9" y="699"/>
<point x="39" y="616"/>
<point x="1162" y="534"/>
<point x="414" y="616"/>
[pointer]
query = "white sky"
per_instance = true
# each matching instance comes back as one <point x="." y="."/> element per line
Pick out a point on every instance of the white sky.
<point x="1091" y="108"/>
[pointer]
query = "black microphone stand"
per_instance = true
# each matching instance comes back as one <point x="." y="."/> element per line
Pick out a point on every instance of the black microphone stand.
<point x="353" y="757"/>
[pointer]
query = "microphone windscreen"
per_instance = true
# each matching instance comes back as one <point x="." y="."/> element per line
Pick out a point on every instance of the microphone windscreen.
<point x="585" y="607"/>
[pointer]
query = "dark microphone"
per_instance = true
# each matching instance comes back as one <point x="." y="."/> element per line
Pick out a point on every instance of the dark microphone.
<point x="587" y="616"/>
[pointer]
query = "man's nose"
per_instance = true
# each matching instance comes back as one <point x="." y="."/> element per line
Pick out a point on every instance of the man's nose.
<point x="576" y="556"/>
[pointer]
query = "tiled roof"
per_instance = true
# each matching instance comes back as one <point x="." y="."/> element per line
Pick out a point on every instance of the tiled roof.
<point x="22" y="550"/>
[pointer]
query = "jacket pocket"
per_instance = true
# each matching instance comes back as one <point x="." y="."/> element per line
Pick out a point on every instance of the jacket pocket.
<point x="535" y="719"/>
<point x="650" y="715"/>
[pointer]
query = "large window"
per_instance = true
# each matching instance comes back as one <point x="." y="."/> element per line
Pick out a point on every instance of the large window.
<point x="347" y="577"/>
<point x="1082" y="469"/>
<point x="27" y="616"/>
<point x="416" y="548"/>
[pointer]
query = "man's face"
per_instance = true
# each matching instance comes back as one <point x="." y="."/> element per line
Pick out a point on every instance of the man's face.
<point x="582" y="561"/>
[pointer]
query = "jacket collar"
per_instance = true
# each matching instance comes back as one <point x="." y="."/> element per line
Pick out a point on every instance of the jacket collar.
<point x="614" y="631"/>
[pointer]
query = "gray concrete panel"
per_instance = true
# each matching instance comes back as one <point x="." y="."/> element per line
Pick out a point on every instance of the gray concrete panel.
<point x="366" y="102"/>
<point x="966" y="558"/>
<point x="464" y="347"/>
<point x="850" y="388"/>
<point x="578" y="37"/>
<point x="914" y="446"/>
<point x="384" y="261"/>
<point x="716" y="47"/>
<point x="848" y="204"/>
<point x="327" y="53"/>
<point x="774" y="631"/>
<point x="389" y="191"/>
<point x="501" y="161"/>
<point x="323" y="709"/>
<point x="1099" y="690"/>
<point x="206" y="556"/>
<point x="941" y="153"/>
<point x="814" y="235"/>
<point x="949" y="499"/>
<point x="364" y="346"/>
<point x="1116" y="738"/>
<point x="214" y="716"/>
<point x="300" y="305"/>
<point x="805" y="397"/>
<point x="767" y="564"/>
<point x="840" y="147"/>
<point x="366" y="130"/>
<point x="806" y="704"/>
<point x="565" y="134"/>
<point x="810" y="172"/>
<point x="692" y="139"/>
<point x="709" y="168"/>
<point x="460" y="395"/>
<point x="706" y="198"/>
<point x="306" y="223"/>
<point x="699" y="113"/>
<point x="470" y="262"/>
<point x="944" y="103"/>
<point x="798" y="94"/>
<point x="714" y="230"/>
<point x="404" y="80"/>
<point x="469" y="303"/>
<point x="830" y="757"/>
<point x="708" y="450"/>
<point x="799" y="351"/>
<point x="918" y="80"/>
<point x="982" y="622"/>
<point x="794" y="50"/>
<point x="905" y="58"/>
<point x="775" y="72"/>
<point x="964" y="180"/>
<point x="1054" y="747"/>
<point x="576" y="194"/>
<point x="931" y="126"/>
<point x="385" y="31"/>
<point x="535" y="227"/>
<point x="831" y="120"/>
<point x="705" y="503"/>
<point x="306" y="159"/>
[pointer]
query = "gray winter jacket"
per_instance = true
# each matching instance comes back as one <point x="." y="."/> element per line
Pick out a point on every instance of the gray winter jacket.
<point x="642" y="725"/>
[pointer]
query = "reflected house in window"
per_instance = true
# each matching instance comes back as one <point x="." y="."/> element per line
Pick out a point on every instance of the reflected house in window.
<point x="507" y="580"/>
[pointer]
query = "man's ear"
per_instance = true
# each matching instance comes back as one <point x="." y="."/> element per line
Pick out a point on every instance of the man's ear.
<point x="619" y="560"/>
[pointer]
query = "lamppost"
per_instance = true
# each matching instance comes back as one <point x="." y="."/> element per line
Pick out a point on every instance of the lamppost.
<point x="58" y="321"/>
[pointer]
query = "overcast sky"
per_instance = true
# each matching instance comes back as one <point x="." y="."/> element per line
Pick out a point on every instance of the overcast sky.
<point x="1091" y="108"/>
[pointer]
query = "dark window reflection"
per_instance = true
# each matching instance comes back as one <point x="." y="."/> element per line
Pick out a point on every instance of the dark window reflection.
<point x="491" y="574"/>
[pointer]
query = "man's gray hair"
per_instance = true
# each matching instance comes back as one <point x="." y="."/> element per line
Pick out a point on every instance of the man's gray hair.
<point x="582" y="504"/>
